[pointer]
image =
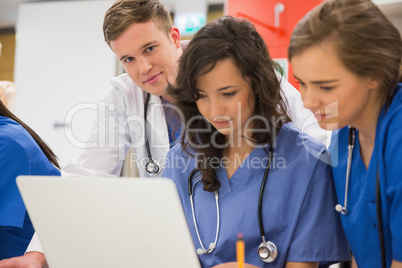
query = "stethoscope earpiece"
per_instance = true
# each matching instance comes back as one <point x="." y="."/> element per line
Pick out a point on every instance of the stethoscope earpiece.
<point x="201" y="251"/>
<point x="267" y="251"/>
<point x="341" y="209"/>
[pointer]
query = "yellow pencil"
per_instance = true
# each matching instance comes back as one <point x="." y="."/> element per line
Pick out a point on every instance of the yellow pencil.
<point x="240" y="250"/>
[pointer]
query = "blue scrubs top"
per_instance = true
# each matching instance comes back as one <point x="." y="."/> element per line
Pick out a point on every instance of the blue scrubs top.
<point x="298" y="204"/>
<point x="19" y="155"/>
<point x="360" y="224"/>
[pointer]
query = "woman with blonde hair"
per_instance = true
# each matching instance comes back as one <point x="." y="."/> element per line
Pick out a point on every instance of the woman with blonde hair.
<point x="346" y="56"/>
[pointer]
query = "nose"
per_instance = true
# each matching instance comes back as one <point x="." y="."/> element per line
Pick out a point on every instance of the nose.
<point x="144" y="65"/>
<point x="216" y="108"/>
<point x="310" y="99"/>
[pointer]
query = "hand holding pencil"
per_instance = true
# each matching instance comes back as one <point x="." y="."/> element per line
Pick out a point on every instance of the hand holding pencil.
<point x="240" y="255"/>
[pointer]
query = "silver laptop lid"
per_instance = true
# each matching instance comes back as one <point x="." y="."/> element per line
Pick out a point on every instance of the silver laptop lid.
<point x="108" y="222"/>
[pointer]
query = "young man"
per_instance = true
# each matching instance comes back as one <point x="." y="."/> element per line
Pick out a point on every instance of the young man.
<point x="141" y="34"/>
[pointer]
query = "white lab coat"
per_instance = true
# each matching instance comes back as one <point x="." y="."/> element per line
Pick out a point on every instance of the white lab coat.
<point x="120" y="125"/>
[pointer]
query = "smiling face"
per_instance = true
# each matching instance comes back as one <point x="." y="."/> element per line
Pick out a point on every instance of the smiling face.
<point x="148" y="56"/>
<point x="226" y="99"/>
<point x="335" y="95"/>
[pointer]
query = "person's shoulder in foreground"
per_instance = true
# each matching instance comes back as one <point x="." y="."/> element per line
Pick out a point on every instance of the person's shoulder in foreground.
<point x="19" y="155"/>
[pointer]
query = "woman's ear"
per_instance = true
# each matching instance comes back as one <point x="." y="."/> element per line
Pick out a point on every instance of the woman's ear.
<point x="374" y="82"/>
<point x="175" y="35"/>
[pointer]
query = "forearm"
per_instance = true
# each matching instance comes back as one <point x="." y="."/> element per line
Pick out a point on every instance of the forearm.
<point x="354" y="265"/>
<point x="396" y="264"/>
<point x="36" y="257"/>
<point x="32" y="259"/>
<point x="302" y="265"/>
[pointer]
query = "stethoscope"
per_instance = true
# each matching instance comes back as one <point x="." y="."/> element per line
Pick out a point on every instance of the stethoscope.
<point x="212" y="245"/>
<point x="351" y="144"/>
<point x="267" y="250"/>
<point x="344" y="210"/>
<point x="153" y="168"/>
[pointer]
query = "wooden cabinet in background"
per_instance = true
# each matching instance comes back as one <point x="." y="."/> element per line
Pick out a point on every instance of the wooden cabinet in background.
<point x="7" y="39"/>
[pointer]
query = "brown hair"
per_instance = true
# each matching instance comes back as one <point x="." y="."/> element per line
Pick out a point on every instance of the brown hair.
<point x="366" y="42"/>
<point x="123" y="13"/>
<point x="221" y="39"/>
<point x="45" y="149"/>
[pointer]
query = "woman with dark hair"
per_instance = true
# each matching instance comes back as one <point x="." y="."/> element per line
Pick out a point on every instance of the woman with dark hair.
<point x="347" y="55"/>
<point x="22" y="152"/>
<point x="242" y="166"/>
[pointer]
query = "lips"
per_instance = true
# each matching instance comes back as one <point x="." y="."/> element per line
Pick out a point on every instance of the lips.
<point x="221" y="123"/>
<point x="153" y="79"/>
<point x="320" y="116"/>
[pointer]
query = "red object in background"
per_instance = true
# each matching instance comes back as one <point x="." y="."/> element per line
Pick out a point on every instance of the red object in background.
<point x="275" y="30"/>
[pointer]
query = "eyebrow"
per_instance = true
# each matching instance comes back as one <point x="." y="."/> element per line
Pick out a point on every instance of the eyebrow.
<point x="143" y="47"/>
<point x="319" y="81"/>
<point x="323" y="82"/>
<point x="219" y="89"/>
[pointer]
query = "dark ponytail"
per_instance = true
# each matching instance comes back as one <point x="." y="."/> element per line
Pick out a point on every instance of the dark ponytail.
<point x="45" y="149"/>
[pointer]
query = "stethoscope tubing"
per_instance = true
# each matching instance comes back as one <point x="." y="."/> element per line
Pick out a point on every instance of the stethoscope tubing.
<point x="379" y="220"/>
<point x="343" y="210"/>
<point x="191" y="193"/>
<point x="152" y="167"/>
<point x="145" y="127"/>
<point x="260" y="197"/>
<point x="351" y="145"/>
<point x="260" y="221"/>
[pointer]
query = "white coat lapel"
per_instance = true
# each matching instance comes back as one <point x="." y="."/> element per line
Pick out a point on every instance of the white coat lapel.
<point x="157" y="129"/>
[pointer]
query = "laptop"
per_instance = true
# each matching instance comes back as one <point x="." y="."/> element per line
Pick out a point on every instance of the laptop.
<point x="108" y="222"/>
